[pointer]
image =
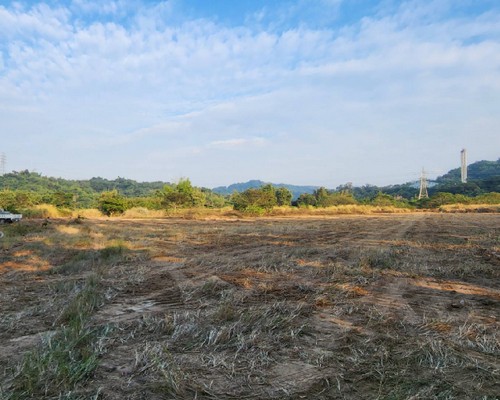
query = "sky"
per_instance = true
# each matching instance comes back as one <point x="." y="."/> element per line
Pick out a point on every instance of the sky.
<point x="307" y="92"/>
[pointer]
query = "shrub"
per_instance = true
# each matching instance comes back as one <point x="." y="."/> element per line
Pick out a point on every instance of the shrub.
<point x="112" y="203"/>
<point x="255" y="200"/>
<point x="45" y="211"/>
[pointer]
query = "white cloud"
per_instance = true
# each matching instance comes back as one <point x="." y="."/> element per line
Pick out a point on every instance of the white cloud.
<point x="40" y="22"/>
<point x="102" y="7"/>
<point x="237" y="142"/>
<point x="295" y="102"/>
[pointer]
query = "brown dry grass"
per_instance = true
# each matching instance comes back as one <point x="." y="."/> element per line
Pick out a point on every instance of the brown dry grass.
<point x="50" y="211"/>
<point x="400" y="306"/>
<point x="464" y="208"/>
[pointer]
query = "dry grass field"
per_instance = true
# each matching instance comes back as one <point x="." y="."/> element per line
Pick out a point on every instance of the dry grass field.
<point x="400" y="306"/>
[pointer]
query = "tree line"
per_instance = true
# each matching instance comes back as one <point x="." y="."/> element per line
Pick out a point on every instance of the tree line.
<point x="21" y="190"/>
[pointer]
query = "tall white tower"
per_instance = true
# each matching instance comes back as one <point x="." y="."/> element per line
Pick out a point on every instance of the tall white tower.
<point x="3" y="161"/>
<point x="463" y="154"/>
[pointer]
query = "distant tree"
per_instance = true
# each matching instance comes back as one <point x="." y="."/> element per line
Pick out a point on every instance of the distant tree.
<point x="20" y="199"/>
<point x="255" y="200"/>
<point x="491" y="184"/>
<point x="468" y="188"/>
<point x="149" y="202"/>
<point x="321" y="196"/>
<point x="213" y="200"/>
<point x="324" y="198"/>
<point x="442" y="198"/>
<point x="488" y="198"/>
<point x="283" y="196"/>
<point x="182" y="195"/>
<point x="112" y="203"/>
<point x="306" y="199"/>
<point x="8" y="200"/>
<point x="365" y="192"/>
<point x="63" y="199"/>
<point x="383" y="199"/>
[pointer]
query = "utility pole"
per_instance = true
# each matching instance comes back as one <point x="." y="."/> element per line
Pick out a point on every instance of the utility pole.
<point x="423" y="186"/>
<point x="463" y="154"/>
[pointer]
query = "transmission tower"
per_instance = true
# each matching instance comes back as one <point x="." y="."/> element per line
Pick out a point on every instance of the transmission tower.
<point x="3" y="161"/>
<point x="463" y="154"/>
<point x="423" y="186"/>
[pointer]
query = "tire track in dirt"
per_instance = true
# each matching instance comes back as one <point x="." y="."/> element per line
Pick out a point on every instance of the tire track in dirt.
<point x="372" y="231"/>
<point x="399" y="296"/>
<point x="385" y="293"/>
<point x="159" y="293"/>
<point x="412" y="299"/>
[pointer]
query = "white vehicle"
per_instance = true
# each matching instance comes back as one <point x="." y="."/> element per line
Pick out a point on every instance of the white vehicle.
<point x="8" y="217"/>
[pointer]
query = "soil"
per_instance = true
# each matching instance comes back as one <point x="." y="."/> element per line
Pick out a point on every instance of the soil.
<point x="347" y="307"/>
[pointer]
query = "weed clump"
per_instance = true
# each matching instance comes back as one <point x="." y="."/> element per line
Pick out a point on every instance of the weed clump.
<point x="66" y="357"/>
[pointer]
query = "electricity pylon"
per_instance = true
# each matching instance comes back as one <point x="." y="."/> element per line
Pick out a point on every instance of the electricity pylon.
<point x="423" y="186"/>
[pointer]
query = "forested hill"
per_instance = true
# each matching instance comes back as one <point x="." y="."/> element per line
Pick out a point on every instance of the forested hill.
<point x="477" y="171"/>
<point x="33" y="181"/>
<point x="253" y="184"/>
<point x="483" y="177"/>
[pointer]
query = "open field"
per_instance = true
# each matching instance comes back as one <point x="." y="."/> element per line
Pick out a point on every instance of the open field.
<point x="400" y="306"/>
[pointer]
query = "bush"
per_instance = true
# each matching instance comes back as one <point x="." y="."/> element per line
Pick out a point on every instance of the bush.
<point x="306" y="200"/>
<point x="141" y="212"/>
<point x="255" y="200"/>
<point x="45" y="211"/>
<point x="488" y="198"/>
<point x="182" y="195"/>
<point x="324" y="198"/>
<point x="442" y="198"/>
<point x="283" y="196"/>
<point x="112" y="203"/>
<point x="386" y="200"/>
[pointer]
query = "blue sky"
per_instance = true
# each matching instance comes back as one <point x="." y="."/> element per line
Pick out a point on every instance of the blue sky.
<point x="319" y="92"/>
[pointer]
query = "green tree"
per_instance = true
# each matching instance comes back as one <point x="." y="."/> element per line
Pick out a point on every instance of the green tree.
<point x="258" y="200"/>
<point x="322" y="197"/>
<point x="306" y="199"/>
<point x="63" y="199"/>
<point x="8" y="200"/>
<point x="283" y="196"/>
<point x="182" y="195"/>
<point x="383" y="199"/>
<point x="443" y="198"/>
<point x="213" y="200"/>
<point x="112" y="203"/>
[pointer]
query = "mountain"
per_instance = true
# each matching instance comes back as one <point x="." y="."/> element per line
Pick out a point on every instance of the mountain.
<point x="254" y="184"/>
<point x="482" y="177"/>
<point x="33" y="181"/>
<point x="479" y="170"/>
<point x="85" y="191"/>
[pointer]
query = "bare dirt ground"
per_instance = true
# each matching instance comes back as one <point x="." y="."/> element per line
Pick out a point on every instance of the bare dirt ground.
<point x="348" y="307"/>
